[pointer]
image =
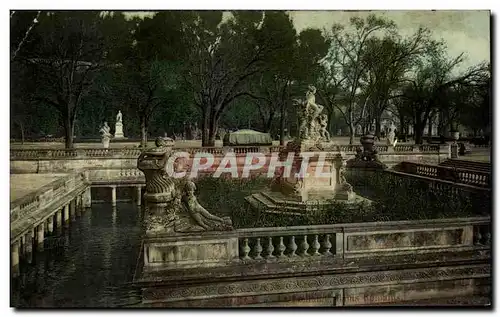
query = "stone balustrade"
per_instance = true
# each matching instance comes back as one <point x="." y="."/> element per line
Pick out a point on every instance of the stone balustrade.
<point x="28" y="211"/>
<point x="285" y="243"/>
<point x="459" y="175"/>
<point x="33" y="154"/>
<point x="304" y="243"/>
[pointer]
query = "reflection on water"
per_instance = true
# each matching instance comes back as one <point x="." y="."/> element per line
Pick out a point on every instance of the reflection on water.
<point x="89" y="265"/>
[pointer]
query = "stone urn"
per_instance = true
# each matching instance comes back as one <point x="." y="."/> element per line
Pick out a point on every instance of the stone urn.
<point x="367" y="141"/>
<point x="455" y="135"/>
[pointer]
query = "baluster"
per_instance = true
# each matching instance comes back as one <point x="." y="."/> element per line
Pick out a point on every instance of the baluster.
<point x="281" y="248"/>
<point x="304" y="246"/>
<point x="478" y="237"/>
<point x="327" y="245"/>
<point x="258" y="250"/>
<point x="487" y="240"/>
<point x="315" y="246"/>
<point x="270" y="249"/>
<point x="246" y="250"/>
<point x="292" y="246"/>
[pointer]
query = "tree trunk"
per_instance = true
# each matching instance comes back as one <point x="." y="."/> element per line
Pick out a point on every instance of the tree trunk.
<point x="212" y="131"/>
<point x="352" y="131"/>
<point x="282" y="124"/>
<point x="268" y="123"/>
<point x="21" y="125"/>
<point x="144" y="132"/>
<point x="204" y="128"/>
<point x="68" y="133"/>
<point x="378" y="123"/>
<point x="429" y="128"/>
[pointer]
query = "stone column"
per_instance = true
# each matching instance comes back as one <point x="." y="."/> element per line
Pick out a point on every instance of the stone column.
<point x="113" y="195"/>
<point x="78" y="208"/>
<point x="139" y="195"/>
<point x="454" y="150"/>
<point x="28" y="248"/>
<point x="59" y="220"/>
<point x="15" y="258"/>
<point x="72" y="209"/>
<point x="66" y="215"/>
<point x="40" y="237"/>
<point x="87" y="198"/>
<point x="50" y="224"/>
<point x="22" y="250"/>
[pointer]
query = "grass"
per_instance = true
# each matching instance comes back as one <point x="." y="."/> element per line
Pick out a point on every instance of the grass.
<point x="394" y="198"/>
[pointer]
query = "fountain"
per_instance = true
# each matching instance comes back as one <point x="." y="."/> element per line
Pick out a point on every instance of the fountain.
<point x="317" y="175"/>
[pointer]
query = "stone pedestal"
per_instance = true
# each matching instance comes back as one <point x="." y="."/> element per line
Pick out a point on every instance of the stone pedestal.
<point x="182" y="251"/>
<point x="315" y="181"/>
<point x="180" y="233"/>
<point x="105" y="142"/>
<point x="315" y="174"/>
<point x="119" y="131"/>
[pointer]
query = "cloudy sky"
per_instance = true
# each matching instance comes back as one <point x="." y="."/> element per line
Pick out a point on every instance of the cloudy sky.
<point x="463" y="31"/>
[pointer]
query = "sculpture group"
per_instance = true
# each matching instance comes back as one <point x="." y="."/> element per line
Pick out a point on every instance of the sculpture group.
<point x="105" y="131"/>
<point x="313" y="123"/>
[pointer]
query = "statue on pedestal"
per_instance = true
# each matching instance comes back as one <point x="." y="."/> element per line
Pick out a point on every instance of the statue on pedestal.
<point x="105" y="135"/>
<point x="312" y="123"/>
<point x="391" y="136"/>
<point x="119" y="126"/>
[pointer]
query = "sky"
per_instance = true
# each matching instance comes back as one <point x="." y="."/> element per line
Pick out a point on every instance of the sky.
<point x="463" y="31"/>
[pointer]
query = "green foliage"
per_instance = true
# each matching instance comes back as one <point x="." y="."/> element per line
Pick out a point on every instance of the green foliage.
<point x="394" y="198"/>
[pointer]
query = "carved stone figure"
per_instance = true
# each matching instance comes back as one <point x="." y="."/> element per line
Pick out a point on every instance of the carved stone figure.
<point x="390" y="137"/>
<point x="199" y="214"/>
<point x="323" y="123"/>
<point x="119" y="126"/>
<point x="171" y="203"/>
<point x="312" y="125"/>
<point x="105" y="130"/>
<point x="105" y="135"/>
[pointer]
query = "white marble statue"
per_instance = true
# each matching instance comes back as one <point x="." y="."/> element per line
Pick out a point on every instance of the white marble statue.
<point x="391" y="137"/>
<point x="119" y="126"/>
<point x="105" y="135"/>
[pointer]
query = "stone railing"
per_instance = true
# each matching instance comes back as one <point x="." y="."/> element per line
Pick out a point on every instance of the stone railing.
<point x="361" y="239"/>
<point x="459" y="175"/>
<point x="36" y="154"/>
<point x="287" y="242"/>
<point x="114" y="175"/>
<point x="25" y="210"/>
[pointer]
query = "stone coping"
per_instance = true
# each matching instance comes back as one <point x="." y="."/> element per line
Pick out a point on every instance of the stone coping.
<point x="65" y="177"/>
<point x="38" y="154"/>
<point x="321" y="266"/>
<point x="318" y="229"/>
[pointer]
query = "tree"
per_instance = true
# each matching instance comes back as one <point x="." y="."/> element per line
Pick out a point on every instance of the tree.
<point x="345" y="68"/>
<point x="434" y="75"/>
<point x="67" y="52"/>
<point x="388" y="61"/>
<point x="221" y="59"/>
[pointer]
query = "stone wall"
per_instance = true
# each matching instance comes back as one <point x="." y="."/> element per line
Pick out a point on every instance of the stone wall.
<point x="50" y="161"/>
<point x="363" y="263"/>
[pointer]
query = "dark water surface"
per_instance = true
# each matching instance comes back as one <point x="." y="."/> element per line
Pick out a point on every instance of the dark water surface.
<point x="91" y="264"/>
